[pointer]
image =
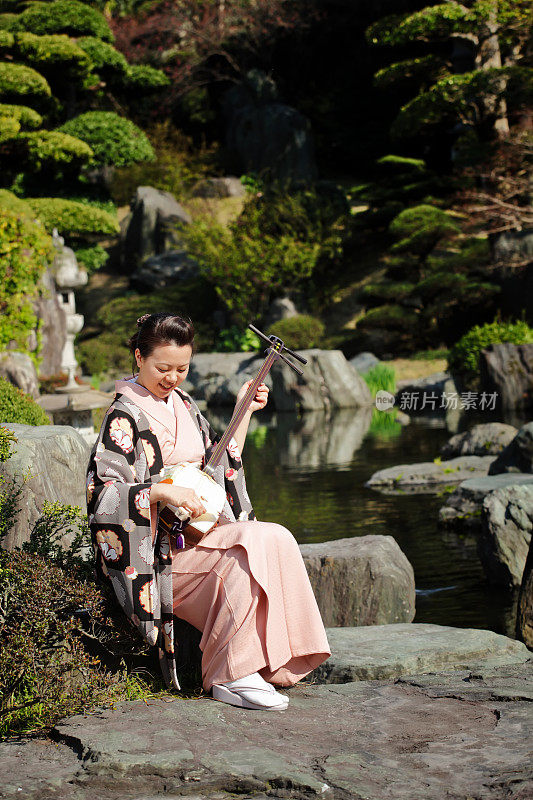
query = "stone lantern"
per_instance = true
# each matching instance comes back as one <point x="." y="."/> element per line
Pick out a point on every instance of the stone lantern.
<point x="68" y="276"/>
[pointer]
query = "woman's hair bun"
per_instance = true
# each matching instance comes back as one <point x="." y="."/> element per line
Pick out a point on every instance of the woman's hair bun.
<point x="143" y="319"/>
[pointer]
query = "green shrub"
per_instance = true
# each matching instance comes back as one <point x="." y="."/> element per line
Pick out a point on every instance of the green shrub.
<point x="464" y="355"/>
<point x="389" y="316"/>
<point x="57" y="629"/>
<point x="388" y="290"/>
<point x="6" y="39"/>
<point x="299" y="332"/>
<point x="16" y="81"/>
<point x="143" y="78"/>
<point x="7" y="438"/>
<point x="113" y="139"/>
<point x="250" y="260"/>
<point x="419" y="229"/>
<point x="92" y="258"/>
<point x="10" y="202"/>
<point x="15" y="406"/>
<point x="56" y="49"/>
<point x="63" y="16"/>
<point x="381" y="376"/>
<point x="6" y="21"/>
<point x="46" y="150"/>
<point x="106" y="353"/>
<point x="235" y="340"/>
<point x="104" y="57"/>
<point x="401" y="164"/>
<point x="8" y="128"/>
<point x="73" y="218"/>
<point x="28" y="117"/>
<point x="25" y="252"/>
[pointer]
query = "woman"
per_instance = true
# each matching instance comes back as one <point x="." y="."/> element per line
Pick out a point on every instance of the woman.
<point x="244" y="585"/>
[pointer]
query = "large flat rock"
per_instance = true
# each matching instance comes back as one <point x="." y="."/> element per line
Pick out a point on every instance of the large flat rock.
<point x="429" y="476"/>
<point x="377" y="652"/>
<point x="444" y="736"/>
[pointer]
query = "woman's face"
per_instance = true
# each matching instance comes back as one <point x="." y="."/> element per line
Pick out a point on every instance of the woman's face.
<point x="165" y="368"/>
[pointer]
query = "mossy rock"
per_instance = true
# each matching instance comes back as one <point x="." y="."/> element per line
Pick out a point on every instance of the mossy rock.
<point x="464" y="355"/>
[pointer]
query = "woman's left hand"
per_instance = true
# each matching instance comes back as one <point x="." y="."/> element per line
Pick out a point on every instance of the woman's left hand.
<point x="261" y="396"/>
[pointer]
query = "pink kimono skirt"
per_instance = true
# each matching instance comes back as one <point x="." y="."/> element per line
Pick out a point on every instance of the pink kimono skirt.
<point x="245" y="586"/>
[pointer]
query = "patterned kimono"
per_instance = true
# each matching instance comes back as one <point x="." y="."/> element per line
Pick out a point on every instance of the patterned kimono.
<point x="125" y="461"/>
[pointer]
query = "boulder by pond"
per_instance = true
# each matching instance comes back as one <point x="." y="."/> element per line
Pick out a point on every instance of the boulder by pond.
<point x="507" y="369"/>
<point x="329" y="381"/>
<point x="489" y="438"/>
<point x="156" y="272"/>
<point x="518" y="455"/>
<point x="55" y="456"/>
<point x="19" y="369"/>
<point x="429" y="476"/>
<point x="462" y="509"/>
<point x="455" y="733"/>
<point x="366" y="580"/>
<point x="505" y="535"/>
<point x="150" y="227"/>
<point x="425" y="395"/>
<point x="524" y="617"/>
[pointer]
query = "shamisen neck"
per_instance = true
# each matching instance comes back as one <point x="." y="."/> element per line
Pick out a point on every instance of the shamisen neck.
<point x="238" y="414"/>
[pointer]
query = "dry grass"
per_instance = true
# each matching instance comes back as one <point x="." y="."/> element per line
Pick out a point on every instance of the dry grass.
<point x="410" y="369"/>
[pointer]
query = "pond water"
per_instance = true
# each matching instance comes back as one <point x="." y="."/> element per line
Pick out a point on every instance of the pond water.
<point x="308" y="473"/>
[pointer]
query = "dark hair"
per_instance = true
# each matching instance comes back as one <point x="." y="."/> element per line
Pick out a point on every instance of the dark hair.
<point x="161" y="328"/>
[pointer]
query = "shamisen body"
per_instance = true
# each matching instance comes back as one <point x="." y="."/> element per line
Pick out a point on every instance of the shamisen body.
<point x="210" y="493"/>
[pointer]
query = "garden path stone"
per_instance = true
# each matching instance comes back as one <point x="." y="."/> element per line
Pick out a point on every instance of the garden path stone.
<point x="442" y="736"/>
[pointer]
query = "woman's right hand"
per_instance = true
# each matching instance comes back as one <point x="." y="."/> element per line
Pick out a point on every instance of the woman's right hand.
<point x="178" y="496"/>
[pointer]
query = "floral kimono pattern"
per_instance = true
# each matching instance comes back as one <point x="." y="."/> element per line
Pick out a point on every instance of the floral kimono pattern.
<point x="125" y="461"/>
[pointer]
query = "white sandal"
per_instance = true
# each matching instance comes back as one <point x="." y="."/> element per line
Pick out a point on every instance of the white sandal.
<point x="251" y="692"/>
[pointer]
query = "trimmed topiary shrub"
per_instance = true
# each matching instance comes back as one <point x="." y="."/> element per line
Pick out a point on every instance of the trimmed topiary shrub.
<point x="28" y="117"/>
<point x="389" y="316"/>
<point x="143" y="78"/>
<point x="16" y="80"/>
<point x="8" y="128"/>
<point x="6" y="39"/>
<point x="72" y="218"/>
<point x="464" y="355"/>
<point x="25" y="252"/>
<point x="16" y="406"/>
<point x="419" y="229"/>
<point x="53" y="150"/>
<point x="92" y="258"/>
<point x="10" y="202"/>
<point x="113" y="139"/>
<point x="63" y="16"/>
<point x="52" y="50"/>
<point x="299" y="332"/>
<point x="104" y="57"/>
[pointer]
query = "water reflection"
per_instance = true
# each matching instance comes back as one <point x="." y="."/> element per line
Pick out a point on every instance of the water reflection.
<point x="308" y="473"/>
